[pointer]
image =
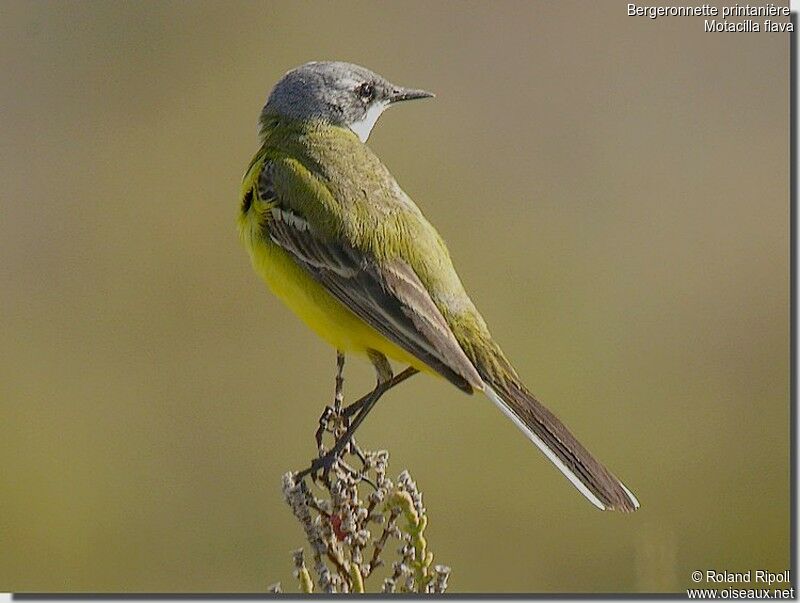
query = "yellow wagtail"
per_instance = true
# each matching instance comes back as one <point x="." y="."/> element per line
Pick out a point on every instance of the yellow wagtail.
<point x="336" y="238"/>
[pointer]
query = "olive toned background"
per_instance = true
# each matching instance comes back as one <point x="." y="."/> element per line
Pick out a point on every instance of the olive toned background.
<point x="614" y="191"/>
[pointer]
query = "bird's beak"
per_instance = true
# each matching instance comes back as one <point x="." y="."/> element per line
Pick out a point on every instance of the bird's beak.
<point x="405" y="94"/>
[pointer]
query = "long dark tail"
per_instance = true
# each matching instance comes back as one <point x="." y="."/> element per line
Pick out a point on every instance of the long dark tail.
<point x="545" y="430"/>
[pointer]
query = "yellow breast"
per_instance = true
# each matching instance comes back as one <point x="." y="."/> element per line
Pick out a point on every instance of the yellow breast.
<point x="322" y="312"/>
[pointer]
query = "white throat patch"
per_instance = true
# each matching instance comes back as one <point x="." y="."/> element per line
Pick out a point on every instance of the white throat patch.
<point x="364" y="126"/>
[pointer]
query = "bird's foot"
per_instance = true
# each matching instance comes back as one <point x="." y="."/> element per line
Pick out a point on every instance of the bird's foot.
<point x="321" y="466"/>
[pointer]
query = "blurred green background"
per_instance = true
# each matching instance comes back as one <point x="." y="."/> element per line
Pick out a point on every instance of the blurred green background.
<point x="614" y="191"/>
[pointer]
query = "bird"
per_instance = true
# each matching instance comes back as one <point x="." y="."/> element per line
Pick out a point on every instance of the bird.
<point x="336" y="238"/>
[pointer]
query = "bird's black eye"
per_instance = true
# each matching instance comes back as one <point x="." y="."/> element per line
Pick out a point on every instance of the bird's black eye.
<point x="366" y="91"/>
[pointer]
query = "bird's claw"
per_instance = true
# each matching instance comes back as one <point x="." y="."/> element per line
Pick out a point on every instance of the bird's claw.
<point x="320" y="467"/>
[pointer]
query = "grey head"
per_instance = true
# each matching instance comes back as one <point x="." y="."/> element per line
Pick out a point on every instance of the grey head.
<point x="342" y="94"/>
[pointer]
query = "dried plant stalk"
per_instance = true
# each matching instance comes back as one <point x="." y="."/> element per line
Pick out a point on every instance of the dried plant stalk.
<point x="351" y="515"/>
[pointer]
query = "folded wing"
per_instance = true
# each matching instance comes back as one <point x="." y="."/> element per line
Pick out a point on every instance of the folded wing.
<point x="387" y="295"/>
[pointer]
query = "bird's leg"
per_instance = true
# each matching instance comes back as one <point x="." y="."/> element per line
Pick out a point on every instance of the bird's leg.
<point x="383" y="375"/>
<point x="353" y="408"/>
<point x="338" y="396"/>
<point x="324" y="422"/>
<point x="385" y="381"/>
<point x="335" y="412"/>
<point x="340" y="423"/>
<point x="325" y="461"/>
